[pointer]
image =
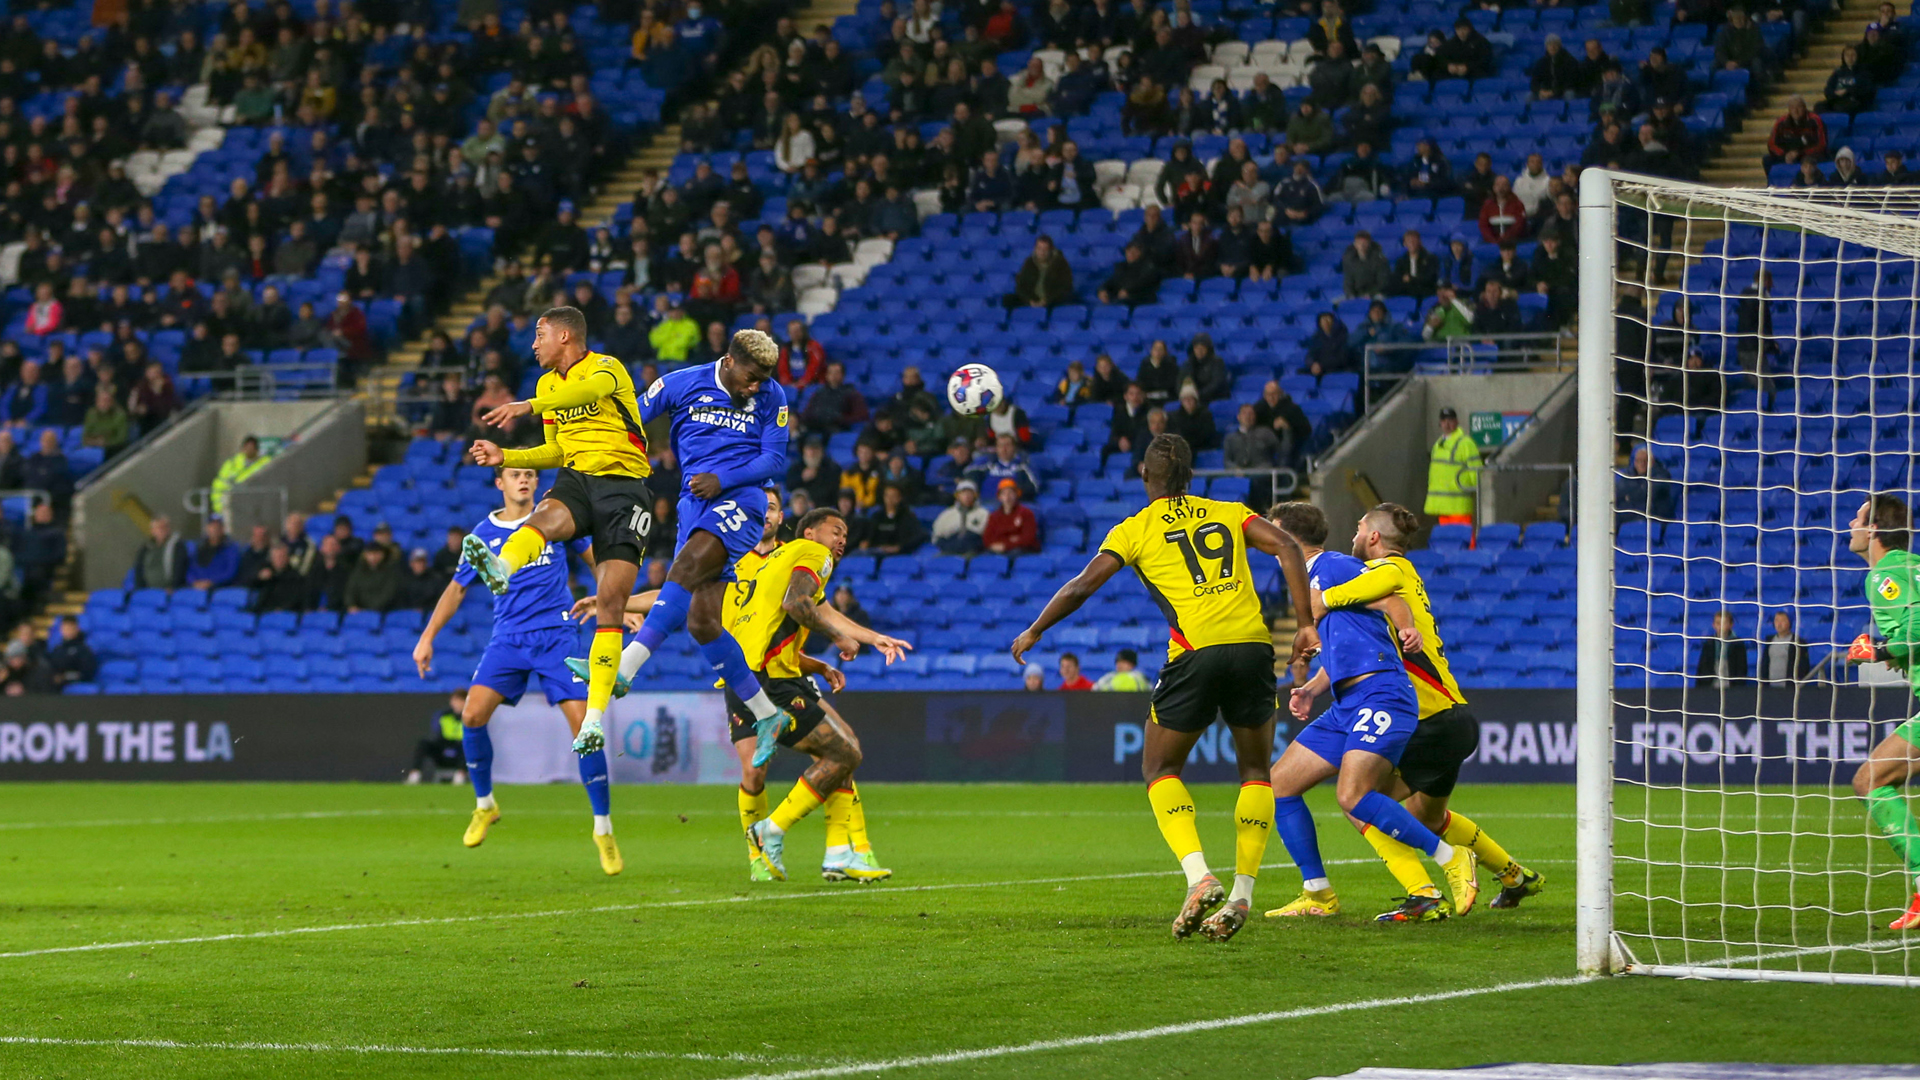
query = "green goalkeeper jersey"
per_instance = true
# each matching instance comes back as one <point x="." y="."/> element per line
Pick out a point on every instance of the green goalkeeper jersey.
<point x="1893" y="588"/>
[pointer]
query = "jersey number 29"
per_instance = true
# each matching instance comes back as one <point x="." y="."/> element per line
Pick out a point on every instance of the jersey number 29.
<point x="1210" y="541"/>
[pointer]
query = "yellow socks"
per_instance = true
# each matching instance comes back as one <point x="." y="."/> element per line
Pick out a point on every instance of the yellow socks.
<point x="1252" y="824"/>
<point x="856" y="819"/>
<point x="1173" y="811"/>
<point x="800" y="802"/>
<point x="1402" y="862"/>
<point x="1461" y="830"/>
<point x="603" y="665"/>
<point x="524" y="546"/>
<point x="752" y="808"/>
<point x="839" y="809"/>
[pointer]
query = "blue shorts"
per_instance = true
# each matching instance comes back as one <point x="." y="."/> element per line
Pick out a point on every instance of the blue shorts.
<point x="509" y="660"/>
<point x="737" y="518"/>
<point x="1377" y="716"/>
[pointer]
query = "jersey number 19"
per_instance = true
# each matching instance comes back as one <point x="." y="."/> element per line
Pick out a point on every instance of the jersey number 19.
<point x="1210" y="541"/>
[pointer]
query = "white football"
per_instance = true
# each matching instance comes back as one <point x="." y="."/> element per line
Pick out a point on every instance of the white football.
<point x="974" y="389"/>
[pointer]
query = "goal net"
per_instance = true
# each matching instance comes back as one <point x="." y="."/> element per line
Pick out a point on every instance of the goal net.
<point x="1747" y="379"/>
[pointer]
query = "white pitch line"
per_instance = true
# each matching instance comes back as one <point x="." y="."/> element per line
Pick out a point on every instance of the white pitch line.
<point x="122" y="823"/>
<point x="327" y="1048"/>
<point x="654" y="905"/>
<point x="1163" y="1031"/>
<point x="451" y="920"/>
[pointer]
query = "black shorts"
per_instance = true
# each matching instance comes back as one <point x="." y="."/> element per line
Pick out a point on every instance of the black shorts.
<point x="616" y="511"/>
<point x="1234" y="683"/>
<point x="798" y="696"/>
<point x="1439" y="745"/>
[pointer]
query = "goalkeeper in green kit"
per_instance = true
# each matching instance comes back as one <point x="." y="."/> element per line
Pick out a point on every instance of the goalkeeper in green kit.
<point x="1880" y="534"/>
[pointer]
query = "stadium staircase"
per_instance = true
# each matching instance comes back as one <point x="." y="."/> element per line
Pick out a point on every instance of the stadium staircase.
<point x="1738" y="162"/>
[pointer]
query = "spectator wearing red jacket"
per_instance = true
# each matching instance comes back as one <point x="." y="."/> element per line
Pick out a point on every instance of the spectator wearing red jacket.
<point x="1070" y="675"/>
<point x="803" y="361"/>
<point x="1012" y="529"/>
<point x="1798" y="134"/>
<point x="1503" y="217"/>
<point x="346" y="330"/>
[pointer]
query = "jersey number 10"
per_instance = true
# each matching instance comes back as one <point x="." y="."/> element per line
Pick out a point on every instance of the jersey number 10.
<point x="1210" y="541"/>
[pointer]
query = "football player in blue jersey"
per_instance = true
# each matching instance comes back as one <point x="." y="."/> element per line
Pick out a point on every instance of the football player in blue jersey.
<point x="1361" y="737"/>
<point x="730" y="434"/>
<point x="532" y="635"/>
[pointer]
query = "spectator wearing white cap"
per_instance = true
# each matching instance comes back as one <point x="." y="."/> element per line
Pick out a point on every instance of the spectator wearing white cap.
<point x="1034" y="677"/>
<point x="958" y="529"/>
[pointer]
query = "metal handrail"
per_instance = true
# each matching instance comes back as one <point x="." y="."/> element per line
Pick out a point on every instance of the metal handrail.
<point x="1274" y="474"/>
<point x="1467" y="355"/>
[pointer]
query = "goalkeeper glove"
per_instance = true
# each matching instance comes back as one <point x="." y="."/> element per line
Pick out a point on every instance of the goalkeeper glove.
<point x="1865" y="650"/>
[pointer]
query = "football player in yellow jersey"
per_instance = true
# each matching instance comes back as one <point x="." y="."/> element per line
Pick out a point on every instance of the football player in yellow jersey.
<point x="1446" y="736"/>
<point x="771" y="614"/>
<point x="593" y="435"/>
<point x="1191" y="554"/>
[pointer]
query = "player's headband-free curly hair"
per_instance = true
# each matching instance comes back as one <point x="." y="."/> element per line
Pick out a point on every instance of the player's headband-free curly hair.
<point x="1169" y="458"/>
<point x="754" y="347"/>
<point x="812" y="519"/>
<point x="1306" y="522"/>
<point x="1887" y="515"/>
<point x="570" y="319"/>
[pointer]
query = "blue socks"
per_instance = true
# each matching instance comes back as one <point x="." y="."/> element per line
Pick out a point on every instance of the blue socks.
<point x="1295" y="824"/>
<point x="479" y="748"/>
<point x="728" y="662"/>
<point x="1393" y="820"/>
<point x="593" y="774"/>
<point x="668" y="617"/>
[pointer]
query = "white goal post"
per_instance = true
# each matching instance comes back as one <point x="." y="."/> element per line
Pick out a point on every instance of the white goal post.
<point x="1718" y="832"/>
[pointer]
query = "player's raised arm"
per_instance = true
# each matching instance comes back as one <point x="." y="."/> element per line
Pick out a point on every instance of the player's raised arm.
<point x="1067" y="601"/>
<point x="449" y="602"/>
<point x="587" y="386"/>
<point x="545" y="456"/>
<point x="1401" y="616"/>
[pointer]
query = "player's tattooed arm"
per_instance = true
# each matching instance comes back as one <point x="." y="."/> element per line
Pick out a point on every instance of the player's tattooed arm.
<point x="839" y="626"/>
<point x="800" y="607"/>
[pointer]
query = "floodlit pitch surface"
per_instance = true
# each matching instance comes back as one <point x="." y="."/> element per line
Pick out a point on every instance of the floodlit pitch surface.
<point x="310" y="930"/>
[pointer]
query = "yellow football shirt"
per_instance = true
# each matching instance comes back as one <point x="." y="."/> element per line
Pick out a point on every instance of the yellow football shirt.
<point x="1432" y="678"/>
<point x="769" y="637"/>
<point x="742" y="586"/>
<point x="603" y="437"/>
<point x="1191" y="554"/>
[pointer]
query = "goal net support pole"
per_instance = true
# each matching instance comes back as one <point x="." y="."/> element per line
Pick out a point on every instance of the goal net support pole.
<point x="1593" y="521"/>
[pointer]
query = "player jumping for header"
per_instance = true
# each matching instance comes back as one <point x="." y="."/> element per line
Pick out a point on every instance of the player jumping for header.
<point x="593" y="433"/>
<point x="730" y="433"/>
<point x="1880" y="533"/>
<point x="1191" y="554"/>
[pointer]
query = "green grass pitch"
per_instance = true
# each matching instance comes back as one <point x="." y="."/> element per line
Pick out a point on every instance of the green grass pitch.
<point x="1017" y="915"/>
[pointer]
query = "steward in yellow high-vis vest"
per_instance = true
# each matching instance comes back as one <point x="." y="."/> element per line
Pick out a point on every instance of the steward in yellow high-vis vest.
<point x="1453" y="473"/>
<point x="235" y="471"/>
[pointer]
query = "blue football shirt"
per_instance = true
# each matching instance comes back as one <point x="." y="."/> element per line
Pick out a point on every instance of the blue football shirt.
<point x="1355" y="640"/>
<point x="537" y="597"/>
<point x="744" y="444"/>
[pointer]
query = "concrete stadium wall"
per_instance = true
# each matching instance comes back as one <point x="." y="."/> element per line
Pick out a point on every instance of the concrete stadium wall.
<point x="1551" y="438"/>
<point x="1390" y="449"/>
<point x="324" y="455"/>
<point x="111" y="511"/>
